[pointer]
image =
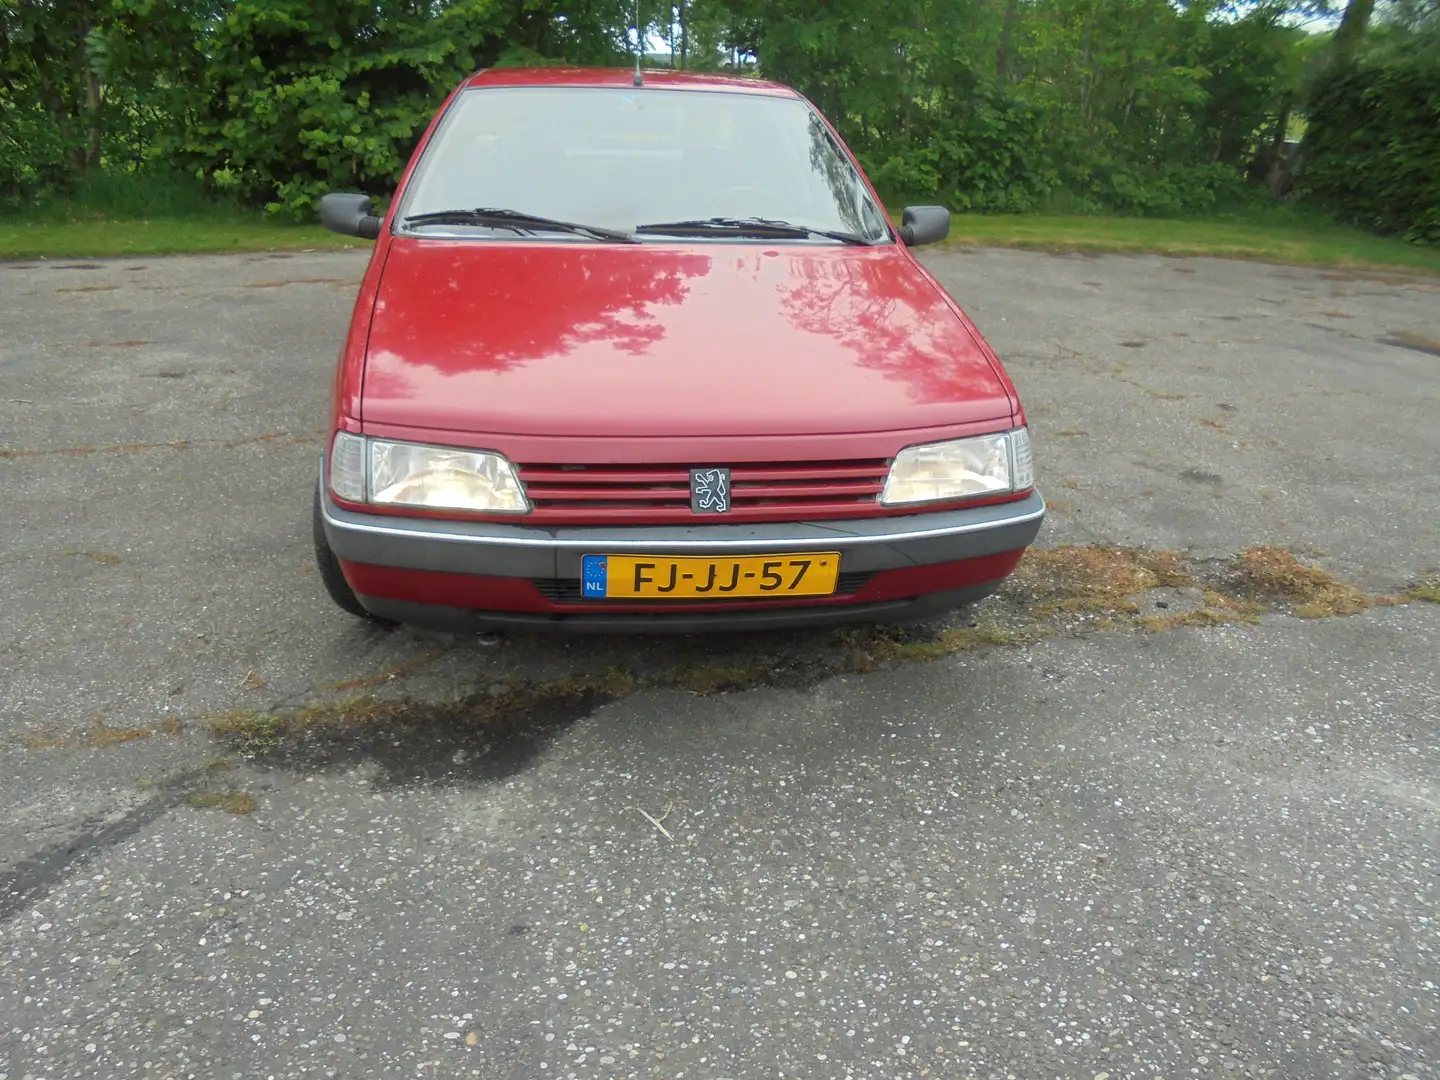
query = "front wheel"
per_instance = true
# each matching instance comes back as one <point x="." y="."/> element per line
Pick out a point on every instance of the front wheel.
<point x="329" y="567"/>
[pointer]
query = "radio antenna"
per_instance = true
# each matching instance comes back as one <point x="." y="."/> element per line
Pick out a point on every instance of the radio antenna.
<point x="639" y="47"/>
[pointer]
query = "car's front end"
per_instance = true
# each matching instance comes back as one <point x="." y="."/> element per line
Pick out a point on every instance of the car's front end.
<point x="667" y="564"/>
<point x="718" y="422"/>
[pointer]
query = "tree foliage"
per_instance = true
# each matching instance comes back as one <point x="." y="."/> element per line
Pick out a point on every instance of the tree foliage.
<point x="1135" y="106"/>
<point x="1374" y="145"/>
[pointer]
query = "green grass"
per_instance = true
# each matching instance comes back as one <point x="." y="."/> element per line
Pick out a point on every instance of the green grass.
<point x="114" y="212"/>
<point x="1277" y="237"/>
<point x="1316" y="245"/>
<point x="101" y="238"/>
<point x="137" y="213"/>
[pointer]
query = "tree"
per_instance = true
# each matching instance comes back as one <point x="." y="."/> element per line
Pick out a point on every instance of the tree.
<point x="1351" y="31"/>
<point x="303" y="96"/>
<point x="1140" y="106"/>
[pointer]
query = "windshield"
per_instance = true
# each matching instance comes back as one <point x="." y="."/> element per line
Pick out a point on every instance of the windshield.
<point x="618" y="158"/>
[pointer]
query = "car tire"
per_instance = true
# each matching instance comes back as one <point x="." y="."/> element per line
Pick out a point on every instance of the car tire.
<point x="330" y="573"/>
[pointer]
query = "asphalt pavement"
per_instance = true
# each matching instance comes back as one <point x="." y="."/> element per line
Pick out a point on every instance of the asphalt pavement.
<point x="1105" y="851"/>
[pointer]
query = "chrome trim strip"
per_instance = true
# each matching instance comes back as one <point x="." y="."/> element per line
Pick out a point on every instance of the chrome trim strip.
<point x="830" y="539"/>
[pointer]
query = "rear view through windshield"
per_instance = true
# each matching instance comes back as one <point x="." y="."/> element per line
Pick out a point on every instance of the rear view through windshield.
<point x="617" y="158"/>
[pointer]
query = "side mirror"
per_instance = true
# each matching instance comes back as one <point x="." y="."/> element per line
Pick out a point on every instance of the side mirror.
<point x="349" y="213"/>
<point x="924" y="224"/>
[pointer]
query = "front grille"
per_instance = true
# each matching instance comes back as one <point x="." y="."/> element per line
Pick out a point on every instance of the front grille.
<point x="791" y="491"/>
<point x="567" y="590"/>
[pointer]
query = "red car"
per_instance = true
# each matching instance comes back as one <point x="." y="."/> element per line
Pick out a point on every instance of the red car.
<point x="647" y="353"/>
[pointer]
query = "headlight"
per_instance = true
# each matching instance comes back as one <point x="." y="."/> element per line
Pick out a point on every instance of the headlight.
<point x="961" y="469"/>
<point x="347" y="467"/>
<point x="407" y="474"/>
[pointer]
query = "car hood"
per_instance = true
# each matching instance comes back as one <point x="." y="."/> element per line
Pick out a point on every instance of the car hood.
<point x="577" y="339"/>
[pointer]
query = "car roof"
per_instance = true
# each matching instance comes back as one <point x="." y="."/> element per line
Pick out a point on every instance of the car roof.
<point x="606" y="77"/>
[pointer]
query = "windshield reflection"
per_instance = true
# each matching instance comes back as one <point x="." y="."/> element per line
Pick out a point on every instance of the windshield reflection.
<point x="614" y="158"/>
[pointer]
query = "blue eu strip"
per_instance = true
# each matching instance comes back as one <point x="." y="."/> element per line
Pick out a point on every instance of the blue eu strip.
<point x="593" y="574"/>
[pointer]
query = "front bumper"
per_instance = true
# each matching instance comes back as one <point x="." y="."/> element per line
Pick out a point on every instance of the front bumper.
<point x="463" y="575"/>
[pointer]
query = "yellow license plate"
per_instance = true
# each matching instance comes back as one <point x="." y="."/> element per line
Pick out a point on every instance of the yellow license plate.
<point x="687" y="577"/>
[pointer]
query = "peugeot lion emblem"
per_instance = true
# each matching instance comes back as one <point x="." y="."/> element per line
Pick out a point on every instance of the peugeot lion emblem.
<point x="710" y="491"/>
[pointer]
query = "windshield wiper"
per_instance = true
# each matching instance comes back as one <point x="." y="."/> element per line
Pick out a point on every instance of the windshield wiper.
<point x="761" y="228"/>
<point x="517" y="221"/>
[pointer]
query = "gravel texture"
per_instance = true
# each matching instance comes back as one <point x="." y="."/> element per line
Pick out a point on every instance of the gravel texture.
<point x="1197" y="852"/>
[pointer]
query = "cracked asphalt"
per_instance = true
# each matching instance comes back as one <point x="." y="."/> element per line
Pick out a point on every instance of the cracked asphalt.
<point x="1106" y="854"/>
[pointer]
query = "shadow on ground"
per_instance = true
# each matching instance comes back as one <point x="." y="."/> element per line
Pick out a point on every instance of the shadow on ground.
<point x="497" y="730"/>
